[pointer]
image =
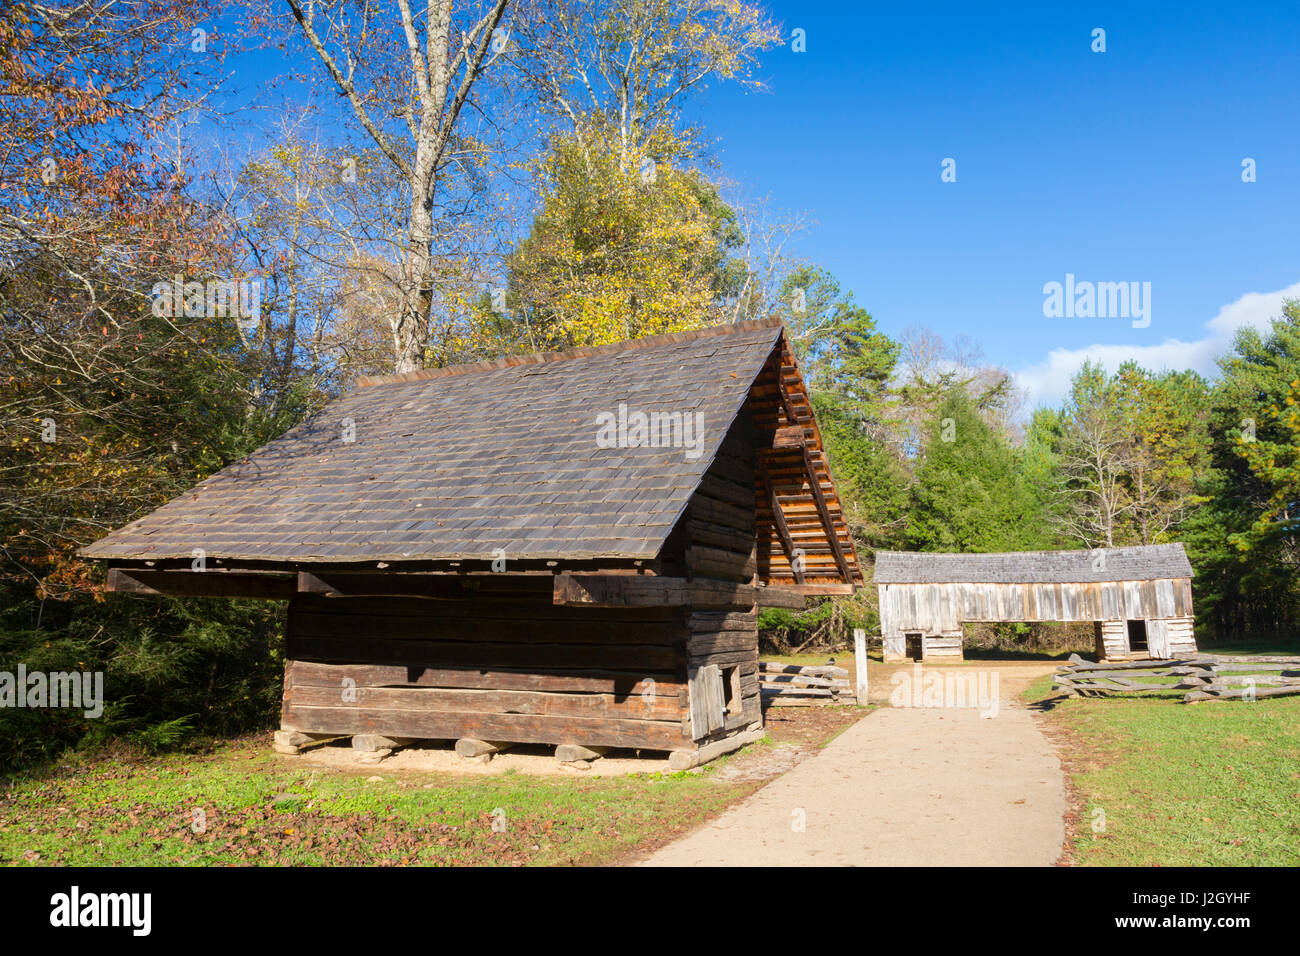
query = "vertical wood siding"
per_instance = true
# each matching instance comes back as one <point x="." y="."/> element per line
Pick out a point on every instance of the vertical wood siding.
<point x="937" y="609"/>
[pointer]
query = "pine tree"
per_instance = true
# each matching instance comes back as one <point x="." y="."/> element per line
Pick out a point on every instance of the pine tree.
<point x="971" y="493"/>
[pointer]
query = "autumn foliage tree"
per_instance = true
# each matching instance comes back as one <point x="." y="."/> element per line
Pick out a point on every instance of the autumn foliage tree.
<point x="111" y="405"/>
<point x="96" y="387"/>
<point x="631" y="238"/>
<point x="615" y="253"/>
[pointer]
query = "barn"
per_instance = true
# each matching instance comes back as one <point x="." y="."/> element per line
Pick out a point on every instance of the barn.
<point x="1139" y="598"/>
<point x="565" y="549"/>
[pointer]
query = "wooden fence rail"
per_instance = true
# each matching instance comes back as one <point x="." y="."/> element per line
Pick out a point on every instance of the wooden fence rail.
<point x="789" y="685"/>
<point x="1202" y="677"/>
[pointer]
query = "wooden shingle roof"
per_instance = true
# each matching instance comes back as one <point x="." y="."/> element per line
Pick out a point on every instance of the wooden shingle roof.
<point x="1141" y="563"/>
<point x="455" y="463"/>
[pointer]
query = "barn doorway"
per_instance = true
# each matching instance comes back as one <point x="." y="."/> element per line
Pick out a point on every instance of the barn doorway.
<point x="1137" y="638"/>
<point x="915" y="647"/>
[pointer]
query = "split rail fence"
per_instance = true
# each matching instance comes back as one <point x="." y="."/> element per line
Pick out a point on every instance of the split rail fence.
<point x="1201" y="677"/>
<point x="789" y="685"/>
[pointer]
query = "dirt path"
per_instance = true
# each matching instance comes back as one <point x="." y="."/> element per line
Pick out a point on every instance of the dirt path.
<point x="912" y="786"/>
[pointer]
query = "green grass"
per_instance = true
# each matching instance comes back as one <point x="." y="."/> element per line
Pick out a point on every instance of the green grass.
<point x="818" y="659"/>
<point x="242" y="805"/>
<point x="1168" y="784"/>
<point x="1277" y="647"/>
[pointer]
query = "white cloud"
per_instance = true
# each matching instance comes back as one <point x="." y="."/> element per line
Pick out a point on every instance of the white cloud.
<point x="1048" y="382"/>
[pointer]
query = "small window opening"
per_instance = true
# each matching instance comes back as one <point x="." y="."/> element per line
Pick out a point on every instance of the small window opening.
<point x="731" y="690"/>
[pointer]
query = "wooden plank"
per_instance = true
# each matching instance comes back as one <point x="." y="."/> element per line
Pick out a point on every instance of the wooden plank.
<point x="460" y="700"/>
<point x="805" y="681"/>
<point x="1243" y="693"/>
<point x="720" y="513"/>
<point x="517" y="728"/>
<point x="778" y="519"/>
<point x="508" y="631"/>
<point x="770" y="691"/>
<point x="619" y="590"/>
<point x="723" y="621"/>
<point x="860" y="659"/>
<point x="431" y="585"/>
<point x="719" y="563"/>
<point x="823" y="586"/>
<point x="533" y="609"/>
<point x="1079" y="666"/>
<point x="387" y="675"/>
<point x="211" y="583"/>
<point x="706" y="701"/>
<point x="718" y="488"/>
<point x="1165" y="602"/>
<point x="680" y="760"/>
<point x="785" y="437"/>
<point x="726" y="658"/>
<point x="784" y="395"/>
<point x="719" y="536"/>
<point x="710" y="642"/>
<point x="709" y="593"/>
<point x="495" y="655"/>
<point x="813" y="670"/>
<point x="780" y="597"/>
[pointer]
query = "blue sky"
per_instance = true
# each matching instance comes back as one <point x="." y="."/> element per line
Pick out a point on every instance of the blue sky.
<point x="1115" y="166"/>
<point x="1122" y="166"/>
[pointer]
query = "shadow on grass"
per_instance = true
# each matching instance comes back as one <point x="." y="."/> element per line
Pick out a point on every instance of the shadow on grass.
<point x="1043" y="705"/>
<point x="1016" y="654"/>
<point x="1280" y="647"/>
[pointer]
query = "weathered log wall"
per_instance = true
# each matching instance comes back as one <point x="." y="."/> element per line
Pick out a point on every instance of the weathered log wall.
<point x="935" y="608"/>
<point x="1182" y="637"/>
<point x="937" y="611"/>
<point x="1167" y="637"/>
<point x="1112" y="640"/>
<point x="507" y="664"/>
<point x="942" y="645"/>
<point x="718" y="537"/>
<point x="514" y="668"/>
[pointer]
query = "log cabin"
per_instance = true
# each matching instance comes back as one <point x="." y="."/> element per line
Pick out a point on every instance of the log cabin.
<point x="1138" y="598"/>
<point x="565" y="549"/>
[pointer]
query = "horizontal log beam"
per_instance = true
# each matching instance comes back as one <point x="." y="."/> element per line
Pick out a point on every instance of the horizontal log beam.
<point x="424" y="585"/>
<point x="210" y="583"/>
<point x="620" y="590"/>
<point x="792" y="597"/>
<point x="680" y="760"/>
<point x="635" y="590"/>
<point x="513" y="728"/>
<point x="631" y="684"/>
<point x="788" y="436"/>
<point x="444" y="700"/>
<point x="491" y="655"/>
<point x="829" y="587"/>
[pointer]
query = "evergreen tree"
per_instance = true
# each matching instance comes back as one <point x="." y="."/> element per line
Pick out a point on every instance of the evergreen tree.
<point x="1242" y="540"/>
<point x="971" y="493"/>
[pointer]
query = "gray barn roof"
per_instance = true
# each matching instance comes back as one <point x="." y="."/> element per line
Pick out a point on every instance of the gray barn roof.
<point x="453" y="463"/>
<point x="1142" y="563"/>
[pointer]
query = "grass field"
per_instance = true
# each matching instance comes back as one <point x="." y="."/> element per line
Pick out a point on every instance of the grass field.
<point x="1160" y="783"/>
<point x="238" y="803"/>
